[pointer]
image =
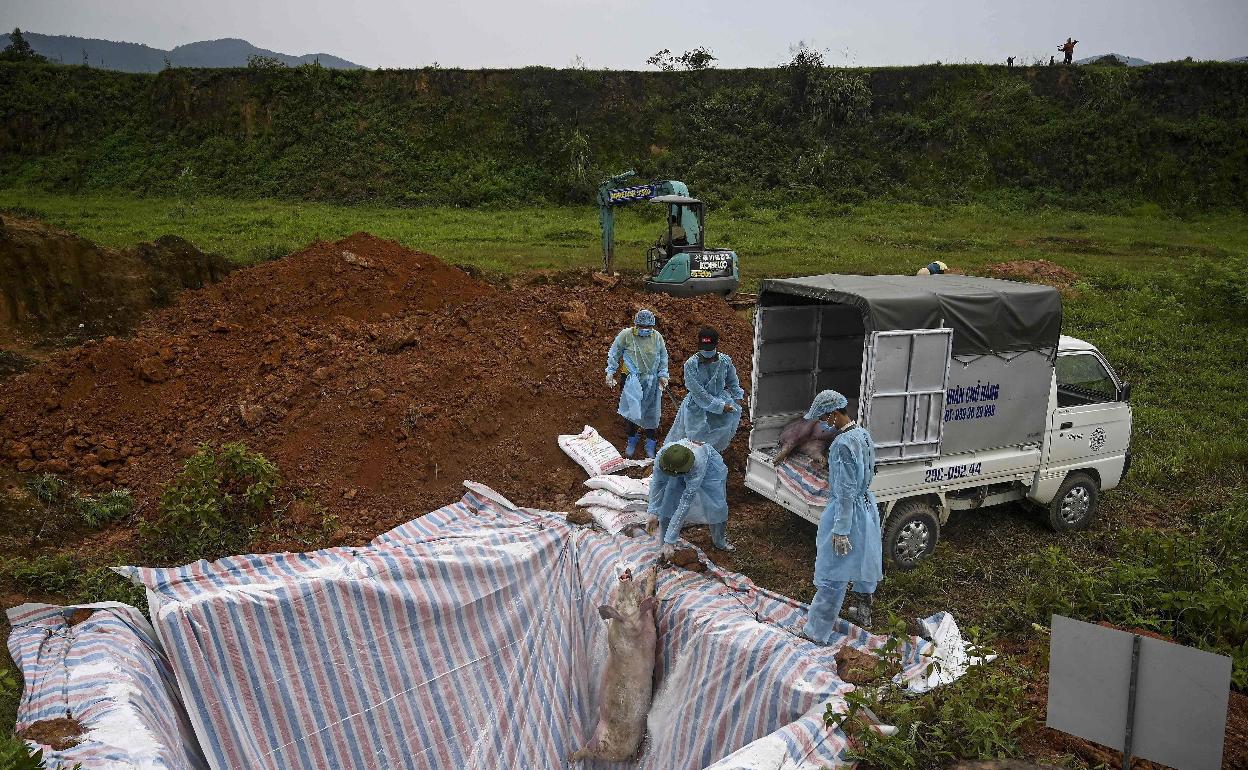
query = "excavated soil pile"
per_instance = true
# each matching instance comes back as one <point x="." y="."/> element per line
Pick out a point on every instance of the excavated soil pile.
<point x="377" y="378"/>
<point x="1034" y="271"/>
<point x="54" y="284"/>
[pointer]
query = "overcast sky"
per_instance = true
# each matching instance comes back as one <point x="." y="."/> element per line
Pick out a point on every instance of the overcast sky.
<point x="621" y="34"/>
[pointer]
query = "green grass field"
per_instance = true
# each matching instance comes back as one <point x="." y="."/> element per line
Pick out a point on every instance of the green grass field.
<point x="804" y="239"/>
<point x="1163" y="297"/>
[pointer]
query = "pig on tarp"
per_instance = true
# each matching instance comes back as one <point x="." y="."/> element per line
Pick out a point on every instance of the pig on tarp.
<point x="628" y="675"/>
<point x="808" y="437"/>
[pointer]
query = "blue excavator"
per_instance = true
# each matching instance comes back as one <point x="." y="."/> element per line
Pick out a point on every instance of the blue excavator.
<point x="679" y="263"/>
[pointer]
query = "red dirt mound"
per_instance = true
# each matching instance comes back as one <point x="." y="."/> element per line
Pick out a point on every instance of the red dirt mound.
<point x="1034" y="271"/>
<point x="377" y="378"/>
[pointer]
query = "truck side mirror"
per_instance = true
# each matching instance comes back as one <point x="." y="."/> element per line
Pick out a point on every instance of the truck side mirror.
<point x="1124" y="393"/>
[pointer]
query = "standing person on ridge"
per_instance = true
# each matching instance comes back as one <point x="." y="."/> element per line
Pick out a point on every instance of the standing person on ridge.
<point x="710" y="412"/>
<point x="848" y="547"/>
<point x="640" y="354"/>
<point x="1068" y="49"/>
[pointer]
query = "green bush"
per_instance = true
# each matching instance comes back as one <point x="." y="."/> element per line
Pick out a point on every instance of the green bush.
<point x="210" y="510"/>
<point x="15" y="754"/>
<point x="981" y="715"/>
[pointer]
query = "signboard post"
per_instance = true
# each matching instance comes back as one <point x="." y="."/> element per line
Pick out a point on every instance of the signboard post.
<point x="1150" y="698"/>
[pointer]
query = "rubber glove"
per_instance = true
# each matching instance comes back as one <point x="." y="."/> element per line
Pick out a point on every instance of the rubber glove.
<point x="612" y="382"/>
<point x="840" y="545"/>
<point x="663" y="382"/>
<point x="729" y="407"/>
<point x="668" y="551"/>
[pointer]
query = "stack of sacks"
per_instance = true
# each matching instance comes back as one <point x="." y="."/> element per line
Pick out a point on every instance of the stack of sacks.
<point x="617" y="503"/>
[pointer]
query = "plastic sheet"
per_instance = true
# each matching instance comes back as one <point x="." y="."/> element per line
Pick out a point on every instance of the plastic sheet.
<point x="107" y="673"/>
<point x="470" y="638"/>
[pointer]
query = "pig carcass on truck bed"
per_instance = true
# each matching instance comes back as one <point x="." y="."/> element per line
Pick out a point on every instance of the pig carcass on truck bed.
<point x="968" y="388"/>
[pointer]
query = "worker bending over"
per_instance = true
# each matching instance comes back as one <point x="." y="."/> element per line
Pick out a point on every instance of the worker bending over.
<point x="640" y="354"/>
<point x="690" y="486"/>
<point x="848" y="548"/>
<point x="709" y="413"/>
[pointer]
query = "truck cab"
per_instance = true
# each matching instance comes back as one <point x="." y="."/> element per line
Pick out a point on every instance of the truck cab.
<point x="972" y="397"/>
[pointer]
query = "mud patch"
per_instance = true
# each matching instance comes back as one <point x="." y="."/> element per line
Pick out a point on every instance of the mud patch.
<point x="376" y="377"/>
<point x="1034" y="271"/>
<point x="58" y="288"/>
<point x="57" y="734"/>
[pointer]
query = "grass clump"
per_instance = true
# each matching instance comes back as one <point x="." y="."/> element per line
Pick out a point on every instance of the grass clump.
<point x="70" y="579"/>
<point x="1189" y="585"/>
<point x="63" y="509"/>
<point x="982" y="714"/>
<point x="211" y="508"/>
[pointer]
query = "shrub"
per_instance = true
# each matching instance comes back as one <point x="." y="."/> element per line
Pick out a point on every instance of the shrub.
<point x="981" y="715"/>
<point x="15" y="754"/>
<point x="210" y="509"/>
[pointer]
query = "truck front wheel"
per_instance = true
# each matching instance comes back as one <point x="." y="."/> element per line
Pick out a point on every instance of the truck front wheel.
<point x="910" y="533"/>
<point x="1074" y="505"/>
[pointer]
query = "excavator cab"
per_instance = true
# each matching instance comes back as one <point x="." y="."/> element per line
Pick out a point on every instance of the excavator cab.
<point x="679" y="263"/>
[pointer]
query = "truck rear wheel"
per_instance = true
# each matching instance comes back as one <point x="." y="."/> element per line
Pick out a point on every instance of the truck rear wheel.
<point x="911" y="532"/>
<point x="1074" y="505"/>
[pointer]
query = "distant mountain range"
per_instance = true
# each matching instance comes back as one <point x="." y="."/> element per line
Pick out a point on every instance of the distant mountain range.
<point x="1130" y="61"/>
<point x="135" y="57"/>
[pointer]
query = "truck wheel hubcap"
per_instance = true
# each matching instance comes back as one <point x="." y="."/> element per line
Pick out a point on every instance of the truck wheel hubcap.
<point x="1075" y="505"/>
<point x="912" y="540"/>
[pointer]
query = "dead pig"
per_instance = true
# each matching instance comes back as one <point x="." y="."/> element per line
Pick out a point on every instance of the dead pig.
<point x="808" y="437"/>
<point x="628" y="675"/>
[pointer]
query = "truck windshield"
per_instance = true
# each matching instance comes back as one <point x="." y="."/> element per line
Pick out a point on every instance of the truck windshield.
<point x="1082" y="379"/>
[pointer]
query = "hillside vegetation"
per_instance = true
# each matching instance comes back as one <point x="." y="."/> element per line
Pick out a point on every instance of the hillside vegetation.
<point x="1101" y="137"/>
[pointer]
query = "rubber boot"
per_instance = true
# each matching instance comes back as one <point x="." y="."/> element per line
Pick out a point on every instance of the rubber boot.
<point x="719" y="537"/>
<point x="860" y="613"/>
<point x="631" y="448"/>
<point x="651" y="446"/>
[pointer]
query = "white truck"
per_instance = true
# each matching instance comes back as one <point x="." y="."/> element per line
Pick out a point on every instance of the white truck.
<point x="972" y="396"/>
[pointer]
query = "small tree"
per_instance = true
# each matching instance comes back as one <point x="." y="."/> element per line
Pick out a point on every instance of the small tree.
<point x="663" y="60"/>
<point x="699" y="58"/>
<point x="19" y="49"/>
<point x="257" y="62"/>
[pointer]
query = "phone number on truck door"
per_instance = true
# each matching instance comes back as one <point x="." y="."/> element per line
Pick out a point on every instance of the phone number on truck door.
<point x="952" y="472"/>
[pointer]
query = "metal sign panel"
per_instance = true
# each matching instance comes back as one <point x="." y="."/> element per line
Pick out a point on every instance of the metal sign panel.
<point x="1179" y="701"/>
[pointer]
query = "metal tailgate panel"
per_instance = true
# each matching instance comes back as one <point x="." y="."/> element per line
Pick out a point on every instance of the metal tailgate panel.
<point x="903" y="392"/>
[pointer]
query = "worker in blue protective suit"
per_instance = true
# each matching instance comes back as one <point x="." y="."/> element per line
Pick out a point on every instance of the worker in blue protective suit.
<point x="848" y="546"/>
<point x="690" y="486"/>
<point x="640" y="354"/>
<point x="710" y="411"/>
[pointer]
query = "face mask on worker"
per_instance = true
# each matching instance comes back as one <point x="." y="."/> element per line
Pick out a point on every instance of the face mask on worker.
<point x="644" y="331"/>
<point x="708" y="354"/>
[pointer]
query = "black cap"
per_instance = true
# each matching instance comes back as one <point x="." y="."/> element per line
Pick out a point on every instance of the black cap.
<point x="708" y="339"/>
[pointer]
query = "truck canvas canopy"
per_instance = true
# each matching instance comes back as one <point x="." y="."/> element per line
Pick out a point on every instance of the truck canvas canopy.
<point x="988" y="316"/>
<point x="931" y="365"/>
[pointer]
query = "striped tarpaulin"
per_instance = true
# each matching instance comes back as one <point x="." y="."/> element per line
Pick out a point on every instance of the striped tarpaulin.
<point x="107" y="673"/>
<point x="469" y="638"/>
<point x="798" y="475"/>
